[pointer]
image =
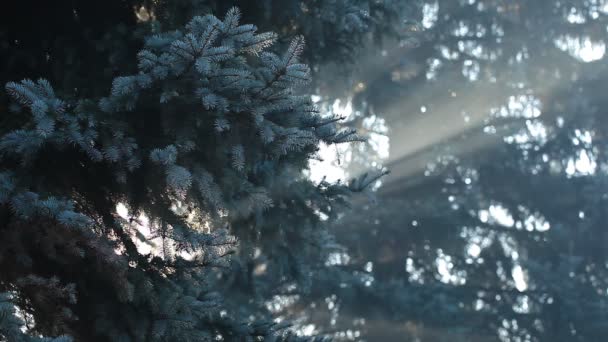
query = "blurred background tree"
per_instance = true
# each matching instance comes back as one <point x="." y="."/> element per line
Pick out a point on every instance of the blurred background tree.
<point x="491" y="225"/>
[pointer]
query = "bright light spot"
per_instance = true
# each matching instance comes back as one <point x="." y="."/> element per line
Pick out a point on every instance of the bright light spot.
<point x="415" y="274"/>
<point x="583" y="49"/>
<point x="489" y="129"/>
<point x="360" y="87"/>
<point x="367" y="279"/>
<point x="575" y="17"/>
<point x="434" y="65"/>
<point x="322" y="216"/>
<point x="430" y="13"/>
<point x="142" y="225"/>
<point x="462" y="30"/>
<point x="519" y="277"/>
<point x="478" y="305"/>
<point x="533" y="221"/>
<point x="522" y="106"/>
<point x="281" y="302"/>
<point x="377" y="135"/>
<point x="533" y="135"/>
<point x="522" y="306"/>
<point x="443" y="268"/>
<point x="446" y="272"/>
<point x="143" y="14"/>
<point x="501" y="215"/>
<point x="345" y="111"/>
<point x="447" y="53"/>
<point x="334" y="161"/>
<point x="260" y="269"/>
<point x="122" y="211"/>
<point x="584" y="137"/>
<point x="584" y="165"/>
<point x="307" y="330"/>
<point x="514" y="255"/>
<point x="536" y="223"/>
<point x="473" y="250"/>
<point x="329" y="167"/>
<point x="337" y="258"/>
<point x="475" y="49"/>
<point x="470" y="70"/>
<point x="484" y="216"/>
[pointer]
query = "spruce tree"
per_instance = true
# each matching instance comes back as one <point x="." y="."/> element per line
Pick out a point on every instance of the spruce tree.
<point x="202" y="150"/>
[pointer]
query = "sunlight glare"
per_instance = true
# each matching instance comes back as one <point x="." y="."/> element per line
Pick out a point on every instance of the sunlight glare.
<point x="519" y="277"/>
<point x="583" y="49"/>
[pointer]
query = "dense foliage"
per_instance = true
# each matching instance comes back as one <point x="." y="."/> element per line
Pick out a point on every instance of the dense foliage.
<point x="492" y="223"/>
<point x="202" y="147"/>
